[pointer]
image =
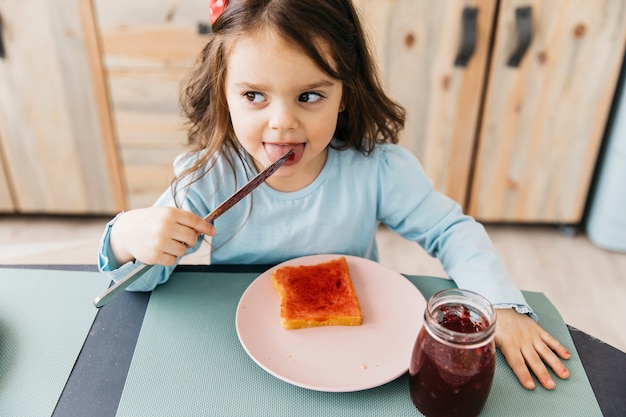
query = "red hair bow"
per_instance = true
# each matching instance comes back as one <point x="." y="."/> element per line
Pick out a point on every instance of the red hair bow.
<point x="216" y="8"/>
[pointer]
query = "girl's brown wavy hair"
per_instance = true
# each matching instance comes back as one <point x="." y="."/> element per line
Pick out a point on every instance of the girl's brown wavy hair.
<point x="369" y="116"/>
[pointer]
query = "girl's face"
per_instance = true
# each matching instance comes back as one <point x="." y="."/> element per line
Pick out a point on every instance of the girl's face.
<point x="279" y="100"/>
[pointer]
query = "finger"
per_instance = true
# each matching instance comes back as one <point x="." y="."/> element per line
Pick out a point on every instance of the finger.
<point x="186" y="236"/>
<point x="175" y="248"/>
<point x="173" y="251"/>
<point x="555" y="345"/>
<point x="549" y="357"/>
<point x="518" y="365"/>
<point x="536" y="365"/>
<point x="162" y="258"/>
<point x="197" y="223"/>
<point x="209" y="228"/>
<point x="167" y="260"/>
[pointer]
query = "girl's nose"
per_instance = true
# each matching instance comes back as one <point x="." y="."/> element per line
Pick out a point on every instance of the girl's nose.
<point x="283" y="117"/>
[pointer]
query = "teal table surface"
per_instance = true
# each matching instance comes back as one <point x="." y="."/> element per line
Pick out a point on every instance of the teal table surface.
<point x="142" y="357"/>
<point x="188" y="362"/>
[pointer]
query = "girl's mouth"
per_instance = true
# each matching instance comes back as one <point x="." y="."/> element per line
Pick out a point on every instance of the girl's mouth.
<point x="273" y="151"/>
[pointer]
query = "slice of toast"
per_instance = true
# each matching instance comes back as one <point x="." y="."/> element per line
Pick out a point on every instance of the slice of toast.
<point x="317" y="295"/>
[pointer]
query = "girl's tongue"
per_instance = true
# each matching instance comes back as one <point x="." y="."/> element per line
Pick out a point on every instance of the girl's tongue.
<point x="275" y="151"/>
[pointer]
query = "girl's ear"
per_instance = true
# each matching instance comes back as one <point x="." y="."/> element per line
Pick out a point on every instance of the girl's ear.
<point x="342" y="106"/>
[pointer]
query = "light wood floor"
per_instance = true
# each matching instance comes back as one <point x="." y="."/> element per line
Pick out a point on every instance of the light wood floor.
<point x="587" y="284"/>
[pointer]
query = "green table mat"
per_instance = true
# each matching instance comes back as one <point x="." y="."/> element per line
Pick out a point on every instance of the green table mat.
<point x="188" y="362"/>
<point x="45" y="317"/>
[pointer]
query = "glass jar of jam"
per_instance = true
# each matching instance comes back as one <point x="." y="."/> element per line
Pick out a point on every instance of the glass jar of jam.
<point x="454" y="356"/>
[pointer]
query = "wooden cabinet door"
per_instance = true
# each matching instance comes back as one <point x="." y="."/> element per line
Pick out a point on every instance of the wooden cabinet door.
<point x="544" y="119"/>
<point x="417" y="43"/>
<point x="6" y="200"/>
<point x="59" y="155"/>
<point x="149" y="46"/>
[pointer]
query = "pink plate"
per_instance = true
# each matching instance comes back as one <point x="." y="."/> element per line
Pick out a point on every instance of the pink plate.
<point x="335" y="358"/>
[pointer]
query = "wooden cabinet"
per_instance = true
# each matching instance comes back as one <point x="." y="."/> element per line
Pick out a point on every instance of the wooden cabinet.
<point x="57" y="150"/>
<point x="148" y="48"/>
<point x="510" y="143"/>
<point x="90" y="123"/>
<point x="417" y="42"/>
<point x="544" y="120"/>
<point x="6" y="200"/>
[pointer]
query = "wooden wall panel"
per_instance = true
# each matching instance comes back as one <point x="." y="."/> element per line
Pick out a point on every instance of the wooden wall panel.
<point x="50" y="128"/>
<point x="148" y="48"/>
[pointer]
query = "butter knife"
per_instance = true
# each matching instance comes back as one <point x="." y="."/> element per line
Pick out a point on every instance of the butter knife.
<point x="142" y="268"/>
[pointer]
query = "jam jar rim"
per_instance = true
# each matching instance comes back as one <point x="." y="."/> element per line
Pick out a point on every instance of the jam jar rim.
<point x="460" y="339"/>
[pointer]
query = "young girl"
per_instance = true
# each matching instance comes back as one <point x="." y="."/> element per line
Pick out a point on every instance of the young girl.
<point x="297" y="74"/>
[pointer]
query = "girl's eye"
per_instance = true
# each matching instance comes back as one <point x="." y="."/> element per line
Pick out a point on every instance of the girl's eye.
<point x="254" y="97"/>
<point x="309" y="97"/>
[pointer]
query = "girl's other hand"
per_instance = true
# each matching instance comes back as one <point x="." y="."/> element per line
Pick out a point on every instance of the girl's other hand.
<point x="527" y="347"/>
<point x="156" y="235"/>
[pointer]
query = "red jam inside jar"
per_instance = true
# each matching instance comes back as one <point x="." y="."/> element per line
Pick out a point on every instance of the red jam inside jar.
<point x="454" y="357"/>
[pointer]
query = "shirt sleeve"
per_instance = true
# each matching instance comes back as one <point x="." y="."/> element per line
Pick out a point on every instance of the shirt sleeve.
<point x="158" y="274"/>
<point x="409" y="206"/>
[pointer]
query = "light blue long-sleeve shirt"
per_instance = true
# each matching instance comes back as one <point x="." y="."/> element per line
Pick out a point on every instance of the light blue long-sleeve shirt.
<point x="338" y="213"/>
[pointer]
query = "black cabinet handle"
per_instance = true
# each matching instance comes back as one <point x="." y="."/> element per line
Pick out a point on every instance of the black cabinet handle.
<point x="3" y="53"/>
<point x="204" y="28"/>
<point x="468" y="36"/>
<point x="524" y="26"/>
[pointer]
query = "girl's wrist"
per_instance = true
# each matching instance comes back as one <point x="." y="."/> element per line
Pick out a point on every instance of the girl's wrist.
<point x="117" y="249"/>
